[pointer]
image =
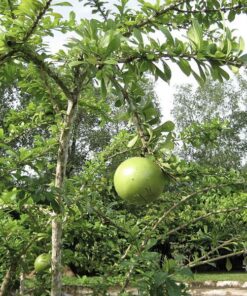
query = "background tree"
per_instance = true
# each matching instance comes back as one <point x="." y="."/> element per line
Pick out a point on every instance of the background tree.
<point x="212" y="119"/>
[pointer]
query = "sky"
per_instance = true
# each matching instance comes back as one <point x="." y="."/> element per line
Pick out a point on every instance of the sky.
<point x="163" y="90"/>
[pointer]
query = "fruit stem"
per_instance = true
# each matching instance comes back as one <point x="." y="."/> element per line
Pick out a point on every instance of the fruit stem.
<point x="136" y="118"/>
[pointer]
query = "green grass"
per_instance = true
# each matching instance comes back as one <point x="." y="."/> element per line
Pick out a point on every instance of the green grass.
<point x="91" y="281"/>
<point x="226" y="276"/>
<point x="198" y="277"/>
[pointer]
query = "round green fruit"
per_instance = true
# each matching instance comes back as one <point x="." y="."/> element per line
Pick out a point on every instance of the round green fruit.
<point x="42" y="262"/>
<point x="139" y="180"/>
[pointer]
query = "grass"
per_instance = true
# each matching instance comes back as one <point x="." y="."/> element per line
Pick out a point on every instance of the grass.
<point x="91" y="281"/>
<point x="226" y="276"/>
<point x="198" y="277"/>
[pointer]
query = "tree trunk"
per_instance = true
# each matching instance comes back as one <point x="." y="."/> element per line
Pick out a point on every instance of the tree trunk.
<point x="56" y="256"/>
<point x="6" y="281"/>
<point x="62" y="158"/>
<point x="22" y="285"/>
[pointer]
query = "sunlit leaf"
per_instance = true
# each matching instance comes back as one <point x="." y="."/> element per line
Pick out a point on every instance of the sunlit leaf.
<point x="132" y="142"/>
<point x="184" y="66"/>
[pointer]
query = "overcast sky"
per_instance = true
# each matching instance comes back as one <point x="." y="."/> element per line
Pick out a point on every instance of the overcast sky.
<point x="163" y="90"/>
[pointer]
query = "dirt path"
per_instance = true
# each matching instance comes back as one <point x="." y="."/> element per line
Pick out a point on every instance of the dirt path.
<point x="218" y="292"/>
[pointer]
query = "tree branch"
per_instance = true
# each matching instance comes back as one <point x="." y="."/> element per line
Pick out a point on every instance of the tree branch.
<point x="182" y="201"/>
<point x="36" y="22"/>
<point x="150" y="19"/>
<point x="13" y="266"/>
<point x="109" y="220"/>
<point x="156" y="224"/>
<point x="42" y="65"/>
<point x="136" y="118"/>
<point x="193" y="264"/>
<point x="7" y="279"/>
<point x="6" y="56"/>
<point x="11" y="9"/>
<point x="122" y="152"/>
<point x="203" y="217"/>
<point x="225" y="243"/>
<point x="191" y="56"/>
<point x="221" y="9"/>
<point x="174" y="7"/>
<point x="62" y="160"/>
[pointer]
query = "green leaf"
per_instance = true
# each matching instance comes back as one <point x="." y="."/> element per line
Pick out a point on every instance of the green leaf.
<point x="241" y="44"/>
<point x="198" y="78"/>
<point x="243" y="58"/>
<point x="1" y="133"/>
<point x="167" y="126"/>
<point x="150" y="112"/>
<point x="168" y="35"/>
<point x="195" y="34"/>
<point x="160" y="278"/>
<point x="24" y="154"/>
<point x="92" y="60"/>
<point x="223" y="73"/>
<point x="184" y="66"/>
<point x="234" y="69"/>
<point x="152" y="242"/>
<point x="161" y="74"/>
<point x="167" y="71"/>
<point x="229" y="47"/>
<point x="103" y="88"/>
<point x="231" y="15"/>
<point x="167" y="145"/>
<point x="202" y="74"/>
<point x="63" y="4"/>
<point x="138" y="36"/>
<point x="118" y="103"/>
<point x="110" y="62"/>
<point x="132" y="142"/>
<point x="75" y="63"/>
<point x="172" y="288"/>
<point x="8" y="196"/>
<point x="114" y="43"/>
<point x="228" y="264"/>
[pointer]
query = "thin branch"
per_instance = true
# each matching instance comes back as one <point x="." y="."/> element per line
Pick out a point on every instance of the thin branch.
<point x="101" y="10"/>
<point x="207" y="11"/>
<point x="42" y="65"/>
<point x="11" y="8"/>
<point x="126" y="252"/>
<point x="174" y="7"/>
<point x="123" y="152"/>
<point x="136" y="117"/>
<point x="36" y="22"/>
<point x="5" y="57"/>
<point x="155" y="225"/>
<point x="193" y="264"/>
<point x="157" y="14"/>
<point x="7" y="279"/>
<point x="188" y="56"/>
<point x="182" y="201"/>
<point x="46" y="84"/>
<point x="107" y="219"/>
<point x="225" y="243"/>
<point x="203" y="217"/>
<point x="13" y="266"/>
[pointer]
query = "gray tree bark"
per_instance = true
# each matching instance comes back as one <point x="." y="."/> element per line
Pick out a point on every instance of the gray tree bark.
<point x="4" y="291"/>
<point x="62" y="159"/>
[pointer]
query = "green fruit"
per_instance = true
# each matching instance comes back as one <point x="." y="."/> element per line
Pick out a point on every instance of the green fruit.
<point x="42" y="262"/>
<point x="139" y="180"/>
